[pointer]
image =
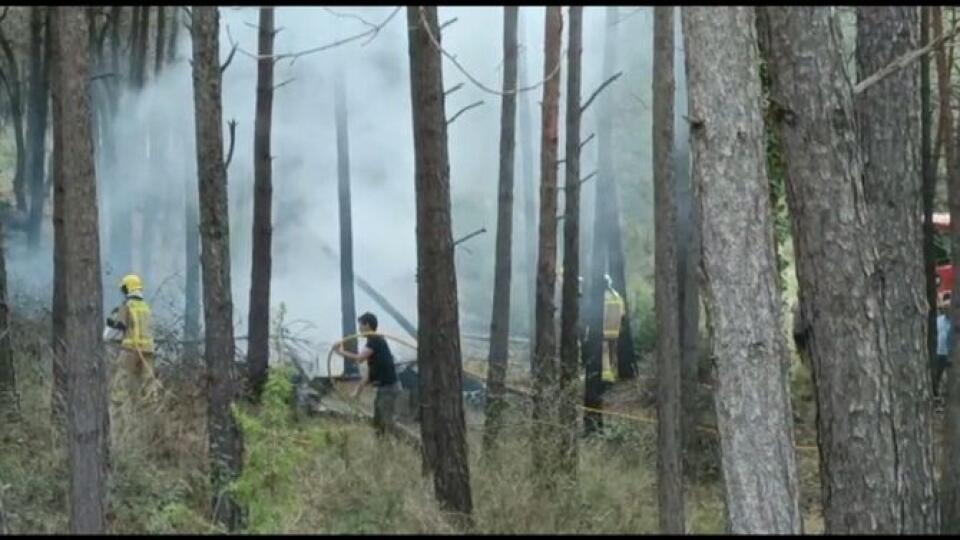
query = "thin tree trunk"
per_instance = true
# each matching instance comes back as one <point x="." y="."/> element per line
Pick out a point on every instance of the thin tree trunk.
<point x="9" y="399"/>
<point x="930" y="164"/>
<point x="348" y="309"/>
<point x="688" y="258"/>
<point x="740" y="271"/>
<point x="443" y="428"/>
<point x="10" y="76"/>
<point x="174" y="34"/>
<point x="37" y="122"/>
<point x="832" y="229"/>
<point x="226" y="444"/>
<point x="143" y="37"/>
<point x="259" y="320"/>
<point x="888" y="115"/>
<point x="529" y="244"/>
<point x="570" y="302"/>
<point x="192" y="305"/>
<point x="669" y="428"/>
<point x="58" y="308"/>
<point x="134" y="40"/>
<point x="500" y="319"/>
<point x="604" y="203"/>
<point x="545" y="346"/>
<point x="82" y="349"/>
<point x="161" y="38"/>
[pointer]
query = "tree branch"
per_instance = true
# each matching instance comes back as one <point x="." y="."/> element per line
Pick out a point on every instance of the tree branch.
<point x="233" y="51"/>
<point x="448" y="23"/>
<point x="463" y="110"/>
<point x="588" y="139"/>
<point x="902" y="62"/>
<point x="480" y="85"/>
<point x="372" y="33"/>
<point x="284" y="83"/>
<point x="580" y="182"/>
<point x="599" y="89"/>
<point x="471" y="235"/>
<point x="102" y="76"/>
<point x="452" y="90"/>
<point x="233" y="140"/>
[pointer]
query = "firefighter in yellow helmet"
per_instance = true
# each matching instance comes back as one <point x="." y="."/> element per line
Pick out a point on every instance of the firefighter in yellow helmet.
<point x="132" y="320"/>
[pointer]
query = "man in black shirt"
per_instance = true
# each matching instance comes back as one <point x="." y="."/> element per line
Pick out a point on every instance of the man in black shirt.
<point x="381" y="372"/>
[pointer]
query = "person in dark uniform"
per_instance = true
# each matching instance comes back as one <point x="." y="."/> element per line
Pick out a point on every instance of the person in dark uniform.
<point x="381" y="373"/>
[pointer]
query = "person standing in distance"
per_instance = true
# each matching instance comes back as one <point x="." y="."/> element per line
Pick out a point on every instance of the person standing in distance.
<point x="381" y="372"/>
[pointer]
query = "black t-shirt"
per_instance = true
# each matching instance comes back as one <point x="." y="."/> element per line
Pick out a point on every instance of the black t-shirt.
<point x="382" y="371"/>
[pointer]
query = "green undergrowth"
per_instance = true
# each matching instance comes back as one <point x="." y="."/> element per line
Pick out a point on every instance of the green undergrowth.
<point x="312" y="475"/>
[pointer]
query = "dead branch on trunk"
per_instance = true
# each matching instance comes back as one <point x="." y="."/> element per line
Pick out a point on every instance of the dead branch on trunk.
<point x="452" y="90"/>
<point x="480" y="85"/>
<point x="588" y="139"/>
<point x="903" y="62"/>
<point x="448" y="23"/>
<point x="233" y="140"/>
<point x="469" y="236"/>
<point x="463" y="110"/>
<point x="284" y="83"/>
<point x="233" y="51"/>
<point x="599" y="89"/>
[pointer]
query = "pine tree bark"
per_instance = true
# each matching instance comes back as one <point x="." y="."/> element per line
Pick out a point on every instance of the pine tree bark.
<point x="39" y="93"/>
<point x="9" y="399"/>
<point x="570" y="295"/>
<point x="529" y="249"/>
<point x="500" y="319"/>
<point x="666" y="299"/>
<point x="687" y="241"/>
<point x="545" y="346"/>
<point x="161" y="39"/>
<point x="443" y="429"/>
<point x="888" y="115"/>
<point x="740" y="272"/>
<point x="259" y="319"/>
<point x="10" y="77"/>
<point x="348" y="301"/>
<point x="832" y="229"/>
<point x="82" y="349"/>
<point x="604" y="207"/>
<point x="225" y="443"/>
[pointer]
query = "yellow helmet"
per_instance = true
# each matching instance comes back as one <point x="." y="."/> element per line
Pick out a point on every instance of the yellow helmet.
<point x="131" y="283"/>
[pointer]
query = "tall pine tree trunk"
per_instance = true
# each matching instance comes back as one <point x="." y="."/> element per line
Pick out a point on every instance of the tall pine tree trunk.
<point x="570" y="302"/>
<point x="9" y="399"/>
<point x="545" y="346"/>
<point x="929" y="162"/>
<point x="225" y="442"/>
<point x="529" y="249"/>
<point x="832" y="229"/>
<point x="443" y="430"/>
<point x="666" y="301"/>
<point x="888" y="114"/>
<point x="259" y="320"/>
<point x="81" y="349"/>
<point x="39" y="93"/>
<point x="592" y="351"/>
<point x="688" y="256"/>
<point x="500" y="318"/>
<point x="161" y="38"/>
<point x="740" y="271"/>
<point x="348" y="304"/>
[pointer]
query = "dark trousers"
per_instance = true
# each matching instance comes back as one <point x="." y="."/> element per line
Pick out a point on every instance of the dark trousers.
<point x="383" y="407"/>
<point x="939" y="366"/>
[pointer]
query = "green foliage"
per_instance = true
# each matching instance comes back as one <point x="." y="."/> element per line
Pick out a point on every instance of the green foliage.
<point x="776" y="173"/>
<point x="274" y="452"/>
<point x="645" y="325"/>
